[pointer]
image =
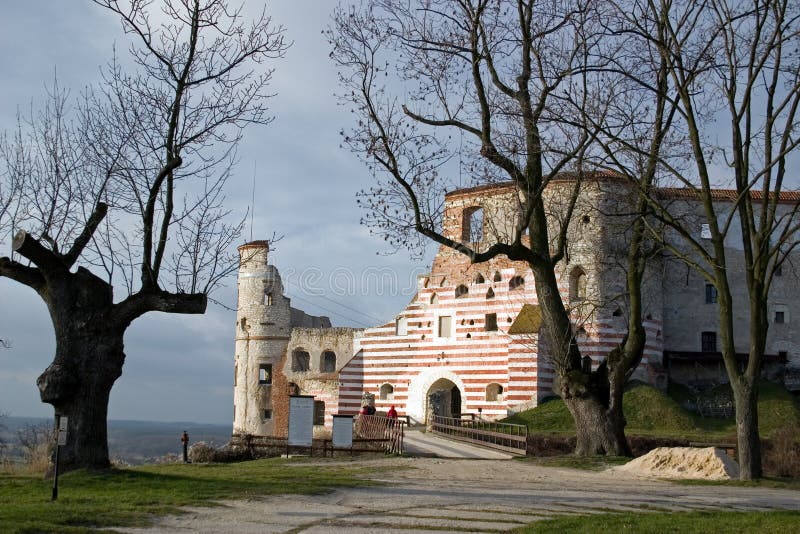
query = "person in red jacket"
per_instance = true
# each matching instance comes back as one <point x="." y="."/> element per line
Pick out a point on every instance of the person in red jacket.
<point x="392" y="413"/>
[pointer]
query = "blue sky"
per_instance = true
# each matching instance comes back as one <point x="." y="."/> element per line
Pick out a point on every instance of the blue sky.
<point x="180" y="368"/>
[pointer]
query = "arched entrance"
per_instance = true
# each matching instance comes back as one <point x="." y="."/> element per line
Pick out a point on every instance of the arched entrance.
<point x="444" y="398"/>
<point x="430" y="380"/>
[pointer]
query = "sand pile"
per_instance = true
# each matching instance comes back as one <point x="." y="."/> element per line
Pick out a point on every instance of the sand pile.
<point x="683" y="462"/>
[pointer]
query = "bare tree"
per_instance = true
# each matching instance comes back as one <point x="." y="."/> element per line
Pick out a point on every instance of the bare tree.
<point x="129" y="191"/>
<point x="509" y="91"/>
<point x="734" y="64"/>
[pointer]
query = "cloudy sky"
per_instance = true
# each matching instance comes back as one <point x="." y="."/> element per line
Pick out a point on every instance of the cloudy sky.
<point x="180" y="368"/>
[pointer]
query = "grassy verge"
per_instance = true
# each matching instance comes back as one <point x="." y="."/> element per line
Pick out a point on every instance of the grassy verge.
<point x="767" y="482"/>
<point x="668" y="523"/>
<point x="129" y="497"/>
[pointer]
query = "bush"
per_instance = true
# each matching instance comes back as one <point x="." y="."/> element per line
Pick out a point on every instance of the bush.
<point x="201" y="453"/>
<point x="782" y="452"/>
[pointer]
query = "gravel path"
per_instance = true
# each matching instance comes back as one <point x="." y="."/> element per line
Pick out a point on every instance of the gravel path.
<point x="426" y="494"/>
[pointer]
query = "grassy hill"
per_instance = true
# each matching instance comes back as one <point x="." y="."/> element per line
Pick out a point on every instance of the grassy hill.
<point x="655" y="413"/>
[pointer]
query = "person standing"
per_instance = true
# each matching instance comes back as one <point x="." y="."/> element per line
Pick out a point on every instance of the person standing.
<point x="392" y="413"/>
<point x="185" y="441"/>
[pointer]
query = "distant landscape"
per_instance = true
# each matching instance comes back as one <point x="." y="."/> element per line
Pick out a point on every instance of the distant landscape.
<point x="134" y="442"/>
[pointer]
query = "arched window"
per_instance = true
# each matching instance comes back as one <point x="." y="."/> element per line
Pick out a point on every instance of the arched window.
<point x="490" y="293"/>
<point x="462" y="291"/>
<point x="494" y="393"/>
<point x="479" y="279"/>
<point x="301" y="360"/>
<point x="293" y="389"/>
<point x="497" y="276"/>
<point x="577" y="284"/>
<point x="472" y="224"/>
<point x="401" y="326"/>
<point x="434" y="298"/>
<point x="516" y="283"/>
<point x="328" y="363"/>
<point x="387" y="392"/>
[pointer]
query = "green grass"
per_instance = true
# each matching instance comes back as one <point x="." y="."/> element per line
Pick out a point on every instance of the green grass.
<point x="133" y="496"/>
<point x="650" y="412"/>
<point x="668" y="523"/>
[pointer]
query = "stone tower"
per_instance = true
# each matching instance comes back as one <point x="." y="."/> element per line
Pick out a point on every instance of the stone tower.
<point x="263" y="328"/>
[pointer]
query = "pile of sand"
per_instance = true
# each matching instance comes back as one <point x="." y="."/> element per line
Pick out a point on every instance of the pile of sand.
<point x="683" y="462"/>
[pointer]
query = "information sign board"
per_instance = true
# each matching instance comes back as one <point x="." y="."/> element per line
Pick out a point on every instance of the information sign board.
<point x="301" y="420"/>
<point x="342" y="431"/>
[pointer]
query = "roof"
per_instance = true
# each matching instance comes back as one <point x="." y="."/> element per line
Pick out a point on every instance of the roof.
<point x="528" y="321"/>
<point x="262" y="243"/>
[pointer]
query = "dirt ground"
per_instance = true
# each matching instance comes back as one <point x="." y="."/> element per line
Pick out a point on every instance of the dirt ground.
<point x="430" y="494"/>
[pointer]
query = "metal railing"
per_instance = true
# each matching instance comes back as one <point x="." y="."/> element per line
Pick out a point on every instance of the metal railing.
<point x="388" y="430"/>
<point x="503" y="436"/>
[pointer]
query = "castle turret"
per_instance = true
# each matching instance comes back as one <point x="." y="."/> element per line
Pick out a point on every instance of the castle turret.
<point x="263" y="327"/>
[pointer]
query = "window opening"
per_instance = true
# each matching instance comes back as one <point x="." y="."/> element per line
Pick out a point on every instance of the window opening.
<point x="516" y="283"/>
<point x="401" y="326"/>
<point x="779" y="317"/>
<point x="708" y="341"/>
<point x="267" y="414"/>
<point x="268" y="299"/>
<point x="301" y="360"/>
<point x="491" y="322"/>
<point x="577" y="284"/>
<point x="319" y="413"/>
<point x="265" y="373"/>
<point x="490" y="293"/>
<point x="479" y="279"/>
<point x="472" y="224"/>
<point x="494" y="393"/>
<point x="711" y="294"/>
<point x="387" y="392"/>
<point x="328" y="362"/>
<point x="497" y="277"/>
<point x="462" y="291"/>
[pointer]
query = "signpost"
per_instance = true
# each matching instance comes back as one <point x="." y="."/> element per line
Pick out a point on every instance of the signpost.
<point x="61" y="440"/>
<point x="301" y="421"/>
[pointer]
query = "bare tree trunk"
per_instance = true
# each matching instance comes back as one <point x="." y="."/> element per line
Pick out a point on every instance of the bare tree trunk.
<point x="745" y="394"/>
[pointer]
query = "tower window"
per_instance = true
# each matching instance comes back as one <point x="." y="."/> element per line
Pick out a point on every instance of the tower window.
<point x="479" y="279"/>
<point x="708" y="341"/>
<point x="267" y="415"/>
<point x="267" y="299"/>
<point x="491" y="322"/>
<point x="577" y="285"/>
<point x="462" y="291"/>
<point x="265" y="373"/>
<point x="497" y="276"/>
<point x="494" y="393"/>
<point x="490" y="293"/>
<point x="779" y="317"/>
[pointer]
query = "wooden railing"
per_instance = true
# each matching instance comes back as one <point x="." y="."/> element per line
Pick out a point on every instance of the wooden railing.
<point x="503" y="436"/>
<point x="378" y="428"/>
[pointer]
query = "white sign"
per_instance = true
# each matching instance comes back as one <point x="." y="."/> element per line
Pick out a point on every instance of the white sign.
<point x="342" y="431"/>
<point x="62" y="422"/>
<point x="301" y="420"/>
<point x="62" y="437"/>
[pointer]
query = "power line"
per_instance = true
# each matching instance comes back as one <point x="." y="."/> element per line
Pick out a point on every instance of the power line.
<point x="345" y="306"/>
<point x="332" y="311"/>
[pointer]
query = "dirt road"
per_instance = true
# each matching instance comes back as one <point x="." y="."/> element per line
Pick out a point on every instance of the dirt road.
<point x="471" y="495"/>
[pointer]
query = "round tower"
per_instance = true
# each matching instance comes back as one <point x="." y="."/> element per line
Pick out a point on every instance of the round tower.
<point x="263" y="327"/>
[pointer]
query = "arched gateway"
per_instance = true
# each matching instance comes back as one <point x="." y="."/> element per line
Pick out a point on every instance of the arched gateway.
<point x="435" y="391"/>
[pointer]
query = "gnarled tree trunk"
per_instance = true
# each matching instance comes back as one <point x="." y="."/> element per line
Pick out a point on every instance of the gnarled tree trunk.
<point x="749" y="444"/>
<point x="89" y="358"/>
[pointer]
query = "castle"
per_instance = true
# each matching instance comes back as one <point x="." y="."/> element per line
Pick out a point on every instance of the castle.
<point x="469" y="341"/>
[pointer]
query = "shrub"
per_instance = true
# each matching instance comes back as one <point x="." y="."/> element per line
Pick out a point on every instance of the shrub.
<point x="201" y="453"/>
<point x="782" y="452"/>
